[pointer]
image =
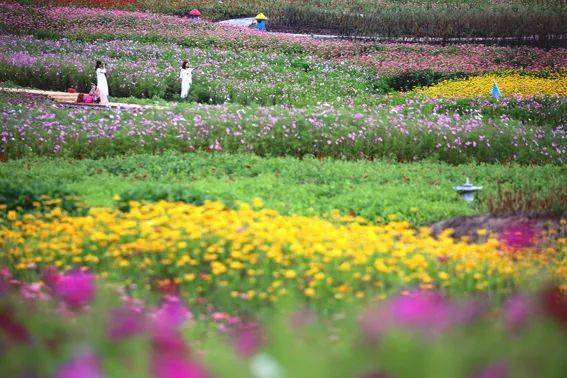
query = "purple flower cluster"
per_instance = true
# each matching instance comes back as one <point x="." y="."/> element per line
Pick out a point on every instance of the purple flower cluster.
<point x="152" y="70"/>
<point x="414" y="130"/>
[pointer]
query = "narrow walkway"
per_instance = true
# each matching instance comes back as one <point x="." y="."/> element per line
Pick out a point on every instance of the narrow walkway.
<point x="71" y="98"/>
<point x="249" y="21"/>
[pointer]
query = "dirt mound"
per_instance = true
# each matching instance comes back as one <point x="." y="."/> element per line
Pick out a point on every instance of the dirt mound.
<point x="469" y="225"/>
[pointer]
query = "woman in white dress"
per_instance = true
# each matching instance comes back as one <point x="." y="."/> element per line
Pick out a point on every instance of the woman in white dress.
<point x="186" y="77"/>
<point x="102" y="83"/>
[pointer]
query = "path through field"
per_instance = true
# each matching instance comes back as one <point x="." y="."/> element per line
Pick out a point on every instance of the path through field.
<point x="71" y="98"/>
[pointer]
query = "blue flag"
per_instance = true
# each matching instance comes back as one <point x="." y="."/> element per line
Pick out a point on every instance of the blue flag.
<point x="495" y="91"/>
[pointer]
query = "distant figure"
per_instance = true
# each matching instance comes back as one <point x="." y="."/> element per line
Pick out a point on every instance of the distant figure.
<point x="186" y="76"/>
<point x="102" y="83"/>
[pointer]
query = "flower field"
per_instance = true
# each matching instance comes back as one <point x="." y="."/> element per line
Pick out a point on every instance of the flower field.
<point x="409" y="131"/>
<point x="256" y="255"/>
<point x="296" y="215"/>
<point x="476" y="18"/>
<point x="511" y="85"/>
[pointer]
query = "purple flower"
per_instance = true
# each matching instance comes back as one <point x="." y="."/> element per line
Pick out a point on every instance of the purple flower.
<point x="517" y="310"/>
<point x="83" y="366"/>
<point x="76" y="288"/>
<point x="46" y="116"/>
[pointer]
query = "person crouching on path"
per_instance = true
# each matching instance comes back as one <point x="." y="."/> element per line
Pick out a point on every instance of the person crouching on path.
<point x="102" y="83"/>
<point x="186" y="77"/>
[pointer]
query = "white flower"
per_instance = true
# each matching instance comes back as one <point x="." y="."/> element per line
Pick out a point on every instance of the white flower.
<point x="263" y="365"/>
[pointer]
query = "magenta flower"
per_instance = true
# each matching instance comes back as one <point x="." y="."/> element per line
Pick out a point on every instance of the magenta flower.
<point x="554" y="303"/>
<point x="176" y="366"/>
<point x="125" y="322"/>
<point x="10" y="327"/>
<point x="173" y="311"/>
<point x="495" y="370"/>
<point x="419" y="311"/>
<point x="166" y="339"/>
<point x="519" y="235"/>
<point x="50" y="276"/>
<point x="84" y="366"/>
<point x="76" y="288"/>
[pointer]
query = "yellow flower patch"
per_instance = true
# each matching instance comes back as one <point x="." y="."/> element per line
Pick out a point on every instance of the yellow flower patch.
<point x="511" y="84"/>
<point x="261" y="255"/>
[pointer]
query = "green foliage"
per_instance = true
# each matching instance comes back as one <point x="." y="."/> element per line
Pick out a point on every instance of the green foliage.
<point x="419" y="192"/>
<point x="29" y="195"/>
<point x="408" y="80"/>
<point x="162" y="192"/>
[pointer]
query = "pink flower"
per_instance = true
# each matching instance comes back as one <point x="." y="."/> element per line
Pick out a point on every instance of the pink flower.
<point x="176" y="366"/>
<point x="76" y="288"/>
<point x="84" y="366"/>
<point x="32" y="291"/>
<point x="303" y="318"/>
<point x="247" y="339"/>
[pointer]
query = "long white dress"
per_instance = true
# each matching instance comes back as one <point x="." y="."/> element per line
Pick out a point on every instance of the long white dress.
<point x="102" y="85"/>
<point x="186" y="76"/>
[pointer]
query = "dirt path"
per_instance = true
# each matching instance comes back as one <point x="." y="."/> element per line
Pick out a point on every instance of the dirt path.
<point x="71" y="98"/>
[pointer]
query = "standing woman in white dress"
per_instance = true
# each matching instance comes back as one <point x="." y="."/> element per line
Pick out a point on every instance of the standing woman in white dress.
<point x="186" y="77"/>
<point x="102" y="83"/>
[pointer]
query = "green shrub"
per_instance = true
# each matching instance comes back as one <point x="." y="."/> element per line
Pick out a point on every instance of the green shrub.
<point x="26" y="196"/>
<point x="172" y="193"/>
<point x="408" y="80"/>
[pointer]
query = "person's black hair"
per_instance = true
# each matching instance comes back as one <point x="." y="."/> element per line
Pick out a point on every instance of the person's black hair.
<point x="184" y="64"/>
<point x="98" y="64"/>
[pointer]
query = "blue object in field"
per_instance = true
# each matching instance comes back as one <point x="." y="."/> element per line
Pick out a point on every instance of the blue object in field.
<point x="261" y="25"/>
<point x="495" y="91"/>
